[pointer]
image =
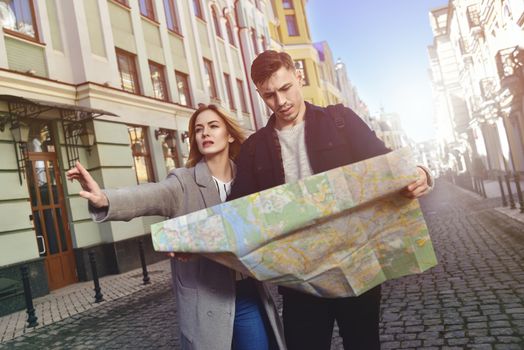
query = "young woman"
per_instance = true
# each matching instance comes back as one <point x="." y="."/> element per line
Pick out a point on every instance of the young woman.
<point x="217" y="307"/>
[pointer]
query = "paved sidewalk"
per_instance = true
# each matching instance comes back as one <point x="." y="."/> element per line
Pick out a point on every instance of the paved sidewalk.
<point x="79" y="297"/>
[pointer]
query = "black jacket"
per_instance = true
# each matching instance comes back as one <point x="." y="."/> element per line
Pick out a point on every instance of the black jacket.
<point x="335" y="136"/>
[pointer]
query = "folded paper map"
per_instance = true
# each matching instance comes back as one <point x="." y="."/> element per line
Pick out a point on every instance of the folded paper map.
<point x="333" y="234"/>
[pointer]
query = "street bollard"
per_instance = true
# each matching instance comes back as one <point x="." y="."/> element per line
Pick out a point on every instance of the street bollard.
<point x="146" y="278"/>
<point x="519" y="191"/>
<point x="482" y="188"/>
<point x="475" y="184"/>
<point x="504" y="203"/>
<point x="98" y="295"/>
<point x="31" y="317"/>
<point x="510" y="192"/>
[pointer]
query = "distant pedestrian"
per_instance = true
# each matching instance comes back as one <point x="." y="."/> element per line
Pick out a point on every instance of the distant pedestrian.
<point x="217" y="308"/>
<point x="301" y="139"/>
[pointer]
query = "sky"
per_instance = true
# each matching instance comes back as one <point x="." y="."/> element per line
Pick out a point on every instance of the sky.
<point x="384" y="46"/>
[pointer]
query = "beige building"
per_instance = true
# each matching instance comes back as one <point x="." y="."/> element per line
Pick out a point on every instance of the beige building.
<point x="349" y="92"/>
<point x="389" y="129"/>
<point x="110" y="83"/>
<point x="447" y="92"/>
<point x="481" y="42"/>
<point x="254" y="21"/>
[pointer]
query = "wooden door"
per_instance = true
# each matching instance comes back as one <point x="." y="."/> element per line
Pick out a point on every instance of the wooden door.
<point x="50" y="218"/>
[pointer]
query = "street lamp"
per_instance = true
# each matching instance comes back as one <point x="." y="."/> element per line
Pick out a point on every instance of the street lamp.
<point x="87" y="136"/>
<point x="20" y="132"/>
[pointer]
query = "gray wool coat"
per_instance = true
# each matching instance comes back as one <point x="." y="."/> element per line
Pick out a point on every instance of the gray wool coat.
<point x="205" y="290"/>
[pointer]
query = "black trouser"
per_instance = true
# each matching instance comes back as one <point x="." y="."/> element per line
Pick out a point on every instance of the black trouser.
<point x="308" y="321"/>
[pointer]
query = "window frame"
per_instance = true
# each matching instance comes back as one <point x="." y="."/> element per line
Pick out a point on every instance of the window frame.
<point x="229" y="31"/>
<point x="216" y="22"/>
<point x="288" y="4"/>
<point x="163" y="81"/>
<point x="172" y="13"/>
<point x="293" y="19"/>
<point x="254" y="41"/>
<point x="135" y="75"/>
<point x="212" y="86"/>
<point x="148" y="11"/>
<point x="197" y="8"/>
<point x="305" y="78"/>
<point x="144" y="140"/>
<point x="229" y="91"/>
<point x="263" y="41"/>
<point x="187" y="91"/>
<point x="16" y="32"/>
<point x="242" y="96"/>
<point x="122" y="2"/>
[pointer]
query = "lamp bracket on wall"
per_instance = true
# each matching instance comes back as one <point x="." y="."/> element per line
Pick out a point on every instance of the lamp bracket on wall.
<point x="75" y="120"/>
<point x="20" y="133"/>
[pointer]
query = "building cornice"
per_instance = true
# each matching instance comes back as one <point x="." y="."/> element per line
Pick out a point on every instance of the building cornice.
<point x="24" y="85"/>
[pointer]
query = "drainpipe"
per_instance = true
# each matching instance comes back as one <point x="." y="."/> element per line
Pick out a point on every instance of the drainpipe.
<point x="248" y="78"/>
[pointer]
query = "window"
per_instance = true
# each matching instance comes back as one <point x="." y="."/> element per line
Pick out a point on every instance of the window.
<point x="259" y="5"/>
<point x="264" y="42"/>
<point x="287" y="4"/>
<point x="146" y="8"/>
<point x="198" y="9"/>
<point x="216" y="22"/>
<point x="300" y="66"/>
<point x="292" y="28"/>
<point x="18" y="16"/>
<point x="158" y="79"/>
<point x="210" y="79"/>
<point x="128" y="72"/>
<point x="229" y="30"/>
<point x="171" y="17"/>
<point x="227" y="79"/>
<point x="254" y="40"/>
<point x="182" y="83"/>
<point x="141" y="155"/>
<point x="240" y="88"/>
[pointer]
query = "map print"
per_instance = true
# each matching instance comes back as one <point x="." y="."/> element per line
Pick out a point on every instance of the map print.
<point x="333" y="234"/>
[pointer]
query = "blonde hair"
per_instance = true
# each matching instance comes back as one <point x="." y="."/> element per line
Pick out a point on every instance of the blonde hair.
<point x="233" y="128"/>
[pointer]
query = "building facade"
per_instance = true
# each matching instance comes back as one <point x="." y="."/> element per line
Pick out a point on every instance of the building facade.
<point x="349" y="93"/>
<point x="479" y="106"/>
<point x="111" y="83"/>
<point x="290" y="33"/>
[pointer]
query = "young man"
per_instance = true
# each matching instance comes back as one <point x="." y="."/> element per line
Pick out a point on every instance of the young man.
<point x="301" y="139"/>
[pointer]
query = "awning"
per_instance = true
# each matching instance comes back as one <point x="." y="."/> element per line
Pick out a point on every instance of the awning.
<point x="73" y="119"/>
<point x="32" y="108"/>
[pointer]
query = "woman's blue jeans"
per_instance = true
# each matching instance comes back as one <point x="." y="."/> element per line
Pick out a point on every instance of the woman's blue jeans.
<point x="249" y="328"/>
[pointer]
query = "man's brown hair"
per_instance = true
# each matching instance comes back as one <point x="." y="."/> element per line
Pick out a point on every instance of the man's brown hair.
<point x="267" y="63"/>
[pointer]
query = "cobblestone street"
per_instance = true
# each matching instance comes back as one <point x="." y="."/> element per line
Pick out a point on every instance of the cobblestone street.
<point x="474" y="298"/>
